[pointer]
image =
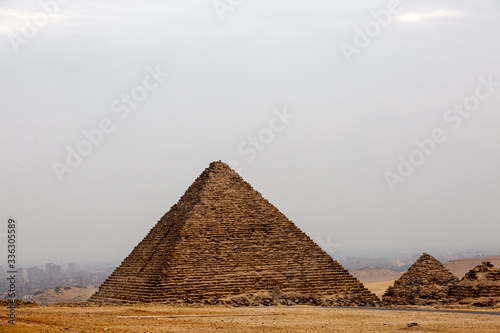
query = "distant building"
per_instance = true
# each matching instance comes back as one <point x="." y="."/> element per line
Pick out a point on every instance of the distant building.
<point x="52" y="270"/>
<point x="34" y="273"/>
<point x="72" y="267"/>
<point x="22" y="274"/>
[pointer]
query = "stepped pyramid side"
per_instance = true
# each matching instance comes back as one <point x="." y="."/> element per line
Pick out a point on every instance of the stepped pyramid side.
<point x="425" y="282"/>
<point x="139" y="273"/>
<point x="483" y="281"/>
<point x="223" y="239"/>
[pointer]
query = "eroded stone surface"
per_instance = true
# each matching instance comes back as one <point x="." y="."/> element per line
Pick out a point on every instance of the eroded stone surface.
<point x="224" y="243"/>
<point x="426" y="282"/>
<point x="480" y="286"/>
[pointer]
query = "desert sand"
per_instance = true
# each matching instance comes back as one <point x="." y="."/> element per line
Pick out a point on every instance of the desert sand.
<point x="379" y="288"/>
<point x="162" y="318"/>
<point x="376" y="279"/>
<point x="375" y="274"/>
<point x="65" y="294"/>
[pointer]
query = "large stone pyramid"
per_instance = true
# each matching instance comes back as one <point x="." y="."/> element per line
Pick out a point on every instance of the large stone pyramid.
<point x="223" y="242"/>
<point x="480" y="286"/>
<point x="425" y="282"/>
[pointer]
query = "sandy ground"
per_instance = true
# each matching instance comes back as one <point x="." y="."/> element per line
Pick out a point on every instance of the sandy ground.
<point x="65" y="294"/>
<point x="160" y="318"/>
<point x="375" y="274"/>
<point x="379" y="288"/>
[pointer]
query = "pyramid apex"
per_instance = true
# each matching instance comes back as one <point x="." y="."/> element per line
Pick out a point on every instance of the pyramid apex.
<point x="219" y="166"/>
<point x="426" y="256"/>
<point x="485" y="266"/>
<point x="219" y="163"/>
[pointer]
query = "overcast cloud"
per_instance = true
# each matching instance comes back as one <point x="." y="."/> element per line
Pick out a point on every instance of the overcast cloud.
<point x="325" y="168"/>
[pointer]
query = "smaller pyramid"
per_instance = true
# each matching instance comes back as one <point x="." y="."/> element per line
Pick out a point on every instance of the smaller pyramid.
<point x="425" y="282"/>
<point x="480" y="286"/>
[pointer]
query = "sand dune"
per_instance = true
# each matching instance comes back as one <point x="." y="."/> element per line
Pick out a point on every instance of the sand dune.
<point x="376" y="274"/>
<point x="65" y="294"/>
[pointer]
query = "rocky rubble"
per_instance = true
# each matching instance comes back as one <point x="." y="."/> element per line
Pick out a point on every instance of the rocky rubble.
<point x="19" y="303"/>
<point x="479" y="287"/>
<point x="425" y="283"/>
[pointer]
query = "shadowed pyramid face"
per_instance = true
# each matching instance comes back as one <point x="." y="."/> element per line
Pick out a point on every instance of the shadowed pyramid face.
<point x="223" y="239"/>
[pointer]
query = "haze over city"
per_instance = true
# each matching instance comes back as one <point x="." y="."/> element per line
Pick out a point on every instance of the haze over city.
<point x="373" y="126"/>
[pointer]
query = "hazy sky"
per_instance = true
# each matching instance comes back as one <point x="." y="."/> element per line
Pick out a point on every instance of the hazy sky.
<point x="317" y="104"/>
